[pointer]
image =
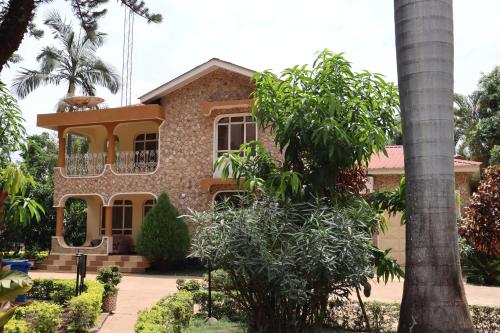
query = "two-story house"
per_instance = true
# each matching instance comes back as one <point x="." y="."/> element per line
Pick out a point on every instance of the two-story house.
<point x="168" y="143"/>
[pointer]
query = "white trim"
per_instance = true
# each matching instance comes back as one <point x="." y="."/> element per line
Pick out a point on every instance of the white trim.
<point x="215" y="136"/>
<point x="129" y="193"/>
<point x="193" y="75"/>
<point x="71" y="195"/>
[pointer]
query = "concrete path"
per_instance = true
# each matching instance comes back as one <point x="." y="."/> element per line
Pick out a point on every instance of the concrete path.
<point x="138" y="292"/>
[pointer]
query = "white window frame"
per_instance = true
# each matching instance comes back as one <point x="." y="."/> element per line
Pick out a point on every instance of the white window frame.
<point x="216" y="132"/>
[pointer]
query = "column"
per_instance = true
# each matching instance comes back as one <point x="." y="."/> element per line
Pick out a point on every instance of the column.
<point x="108" y="222"/>
<point x="62" y="147"/>
<point x="111" y="144"/>
<point x="59" y="221"/>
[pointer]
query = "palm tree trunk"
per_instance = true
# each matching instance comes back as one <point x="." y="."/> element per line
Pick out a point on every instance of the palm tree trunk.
<point x="433" y="296"/>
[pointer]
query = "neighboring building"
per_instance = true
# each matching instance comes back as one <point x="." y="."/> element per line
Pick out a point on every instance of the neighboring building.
<point x="168" y="143"/>
<point x="385" y="172"/>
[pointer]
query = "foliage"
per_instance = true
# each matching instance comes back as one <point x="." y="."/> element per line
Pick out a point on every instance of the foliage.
<point x="164" y="235"/>
<point x="85" y="309"/>
<point x="16" y="326"/>
<point x="224" y="305"/>
<point x="75" y="221"/>
<point x="326" y="119"/>
<point x="479" y="267"/>
<point x="18" y="20"/>
<point x="384" y="317"/>
<point x="12" y="131"/>
<point x="73" y="62"/>
<point x="189" y="285"/>
<point x="170" y="315"/>
<point x="480" y="223"/>
<point x="285" y="261"/>
<point x="43" y="317"/>
<point x="392" y="201"/>
<point x="12" y="284"/>
<point x="477" y="119"/>
<point x="495" y="155"/>
<point x="220" y="280"/>
<point x="110" y="277"/>
<point x="58" y="291"/>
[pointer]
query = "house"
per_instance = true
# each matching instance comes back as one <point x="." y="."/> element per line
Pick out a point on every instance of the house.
<point x="168" y="143"/>
<point x="385" y="172"/>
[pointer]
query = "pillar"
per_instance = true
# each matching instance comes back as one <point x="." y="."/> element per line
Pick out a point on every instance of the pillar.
<point x="108" y="222"/>
<point x="62" y="147"/>
<point x="111" y="144"/>
<point x="59" y="221"/>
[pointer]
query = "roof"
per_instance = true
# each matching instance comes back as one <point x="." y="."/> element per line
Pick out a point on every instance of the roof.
<point x="193" y="75"/>
<point x="394" y="162"/>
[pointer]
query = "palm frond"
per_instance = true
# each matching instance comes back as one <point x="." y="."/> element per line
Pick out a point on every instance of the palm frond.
<point x="60" y="29"/>
<point x="102" y="74"/>
<point x="28" y="80"/>
<point x="49" y="58"/>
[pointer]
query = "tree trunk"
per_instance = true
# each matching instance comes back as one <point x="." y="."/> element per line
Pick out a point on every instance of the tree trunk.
<point x="433" y="296"/>
<point x="14" y="26"/>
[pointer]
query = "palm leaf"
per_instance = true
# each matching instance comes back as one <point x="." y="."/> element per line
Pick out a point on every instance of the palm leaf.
<point x="13" y="284"/>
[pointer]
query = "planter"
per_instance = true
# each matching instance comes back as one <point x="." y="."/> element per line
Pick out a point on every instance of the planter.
<point x="109" y="303"/>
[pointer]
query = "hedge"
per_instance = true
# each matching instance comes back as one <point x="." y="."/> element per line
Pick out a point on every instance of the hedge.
<point x="58" y="291"/>
<point x="84" y="310"/>
<point x="42" y="317"/>
<point x="16" y="326"/>
<point x="170" y="315"/>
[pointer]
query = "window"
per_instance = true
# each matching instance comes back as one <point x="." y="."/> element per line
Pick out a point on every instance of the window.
<point x="148" y="204"/>
<point x="122" y="218"/>
<point x="146" y="151"/>
<point x="232" y="132"/>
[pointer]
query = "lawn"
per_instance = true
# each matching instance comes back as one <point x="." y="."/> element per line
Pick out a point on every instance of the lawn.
<point x="224" y="326"/>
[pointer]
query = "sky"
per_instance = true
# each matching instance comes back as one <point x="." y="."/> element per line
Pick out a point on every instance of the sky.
<point x="262" y="34"/>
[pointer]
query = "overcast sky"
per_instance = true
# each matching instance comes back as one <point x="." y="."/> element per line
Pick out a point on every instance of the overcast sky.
<point x="265" y="34"/>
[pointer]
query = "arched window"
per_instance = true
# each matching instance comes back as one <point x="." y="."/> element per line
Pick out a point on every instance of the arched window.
<point x="146" y="152"/>
<point x="122" y="218"/>
<point x="148" y="204"/>
<point x="232" y="132"/>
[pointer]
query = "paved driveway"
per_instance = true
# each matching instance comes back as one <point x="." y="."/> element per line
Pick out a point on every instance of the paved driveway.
<point x="138" y="292"/>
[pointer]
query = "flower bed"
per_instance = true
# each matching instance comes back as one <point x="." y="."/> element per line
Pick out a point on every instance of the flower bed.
<point x="55" y="307"/>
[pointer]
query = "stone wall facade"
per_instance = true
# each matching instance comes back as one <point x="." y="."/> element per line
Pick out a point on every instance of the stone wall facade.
<point x="186" y="149"/>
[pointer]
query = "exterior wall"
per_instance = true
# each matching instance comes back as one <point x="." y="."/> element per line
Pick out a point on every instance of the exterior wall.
<point x="186" y="145"/>
<point x="394" y="237"/>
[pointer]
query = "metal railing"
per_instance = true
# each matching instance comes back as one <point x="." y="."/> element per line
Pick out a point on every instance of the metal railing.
<point x="88" y="164"/>
<point x="92" y="164"/>
<point x="141" y="161"/>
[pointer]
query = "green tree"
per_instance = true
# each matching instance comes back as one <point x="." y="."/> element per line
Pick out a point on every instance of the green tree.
<point x="12" y="131"/>
<point x="16" y="19"/>
<point x="433" y="295"/>
<point x="164" y="236"/>
<point x="74" y="62"/>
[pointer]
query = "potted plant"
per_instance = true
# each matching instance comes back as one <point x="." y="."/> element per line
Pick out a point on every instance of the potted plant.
<point x="110" y="277"/>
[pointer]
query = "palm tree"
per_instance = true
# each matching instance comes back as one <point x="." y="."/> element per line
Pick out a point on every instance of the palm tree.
<point x="433" y="296"/>
<point x="466" y="114"/>
<point x="74" y="62"/>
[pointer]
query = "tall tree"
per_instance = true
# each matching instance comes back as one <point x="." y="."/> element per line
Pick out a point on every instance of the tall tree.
<point x="74" y="62"/>
<point x="433" y="296"/>
<point x="16" y="19"/>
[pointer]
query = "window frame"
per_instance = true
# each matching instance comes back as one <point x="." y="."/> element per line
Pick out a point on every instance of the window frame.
<point x="144" y="205"/>
<point x="216" y="131"/>
<point x="125" y="204"/>
<point x="145" y="140"/>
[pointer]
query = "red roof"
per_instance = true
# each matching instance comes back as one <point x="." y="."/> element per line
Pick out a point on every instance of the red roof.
<point x="395" y="160"/>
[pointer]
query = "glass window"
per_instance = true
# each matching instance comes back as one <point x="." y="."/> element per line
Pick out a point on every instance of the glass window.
<point x="146" y="141"/>
<point x="232" y="132"/>
<point x="122" y="218"/>
<point x="148" y="204"/>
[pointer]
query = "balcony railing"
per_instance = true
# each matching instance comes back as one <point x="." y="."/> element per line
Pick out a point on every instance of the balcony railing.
<point x="92" y="164"/>
<point x="142" y="161"/>
<point x="89" y="164"/>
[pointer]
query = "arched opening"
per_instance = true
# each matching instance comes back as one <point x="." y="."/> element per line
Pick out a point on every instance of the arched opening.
<point x="75" y="221"/>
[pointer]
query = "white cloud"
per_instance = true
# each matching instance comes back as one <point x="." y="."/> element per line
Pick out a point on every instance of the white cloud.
<point x="268" y="34"/>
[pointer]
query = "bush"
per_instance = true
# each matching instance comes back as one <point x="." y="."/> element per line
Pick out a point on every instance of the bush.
<point x="286" y="261"/>
<point x="170" y="315"/>
<point x="164" y="236"/>
<point x="479" y="267"/>
<point x="190" y="285"/>
<point x="223" y="305"/>
<point x="59" y="291"/>
<point x="495" y="155"/>
<point x="110" y="277"/>
<point x="16" y="326"/>
<point x="85" y="309"/>
<point x="43" y="317"/>
<point x="220" y="281"/>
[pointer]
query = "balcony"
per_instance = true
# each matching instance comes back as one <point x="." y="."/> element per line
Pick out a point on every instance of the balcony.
<point x="126" y="162"/>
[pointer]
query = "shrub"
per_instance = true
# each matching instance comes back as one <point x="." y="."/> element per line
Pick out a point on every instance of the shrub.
<point x="170" y="315"/>
<point x="110" y="277"/>
<point x="220" y="281"/>
<point x="495" y="155"/>
<point x="479" y="267"/>
<point x="223" y="305"/>
<point x="286" y="261"/>
<point x="164" y="236"/>
<point x="43" y="317"/>
<point x="59" y="291"/>
<point x="85" y="309"/>
<point x="190" y="285"/>
<point x="16" y="326"/>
